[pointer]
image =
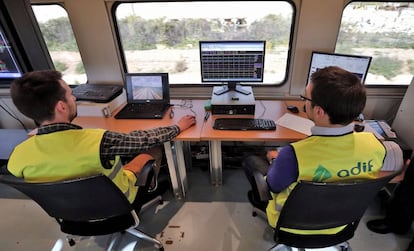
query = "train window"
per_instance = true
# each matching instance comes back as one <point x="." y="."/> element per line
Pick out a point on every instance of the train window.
<point x="164" y="36"/>
<point x="57" y="32"/>
<point x="384" y="31"/>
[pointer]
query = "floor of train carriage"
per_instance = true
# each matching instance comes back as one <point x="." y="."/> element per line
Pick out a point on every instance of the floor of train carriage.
<point x="210" y="218"/>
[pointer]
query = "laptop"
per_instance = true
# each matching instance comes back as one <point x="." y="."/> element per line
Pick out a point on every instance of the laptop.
<point x="148" y="96"/>
<point x="97" y="93"/>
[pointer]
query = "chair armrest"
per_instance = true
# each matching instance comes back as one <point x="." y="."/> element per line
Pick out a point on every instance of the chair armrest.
<point x="262" y="186"/>
<point x="10" y="179"/>
<point x="146" y="174"/>
<point x="4" y="170"/>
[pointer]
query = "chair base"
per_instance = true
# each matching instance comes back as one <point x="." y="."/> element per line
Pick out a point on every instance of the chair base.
<point x="113" y="241"/>
<point x="143" y="236"/>
<point x="340" y="247"/>
<point x="157" y="200"/>
<point x="258" y="212"/>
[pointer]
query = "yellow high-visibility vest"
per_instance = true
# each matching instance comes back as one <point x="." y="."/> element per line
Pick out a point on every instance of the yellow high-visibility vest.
<point x="66" y="155"/>
<point x="331" y="159"/>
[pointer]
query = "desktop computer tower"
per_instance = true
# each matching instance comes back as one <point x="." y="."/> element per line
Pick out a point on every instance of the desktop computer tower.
<point x="232" y="102"/>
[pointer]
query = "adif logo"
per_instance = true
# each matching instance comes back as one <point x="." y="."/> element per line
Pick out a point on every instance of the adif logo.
<point x="361" y="167"/>
<point x="321" y="174"/>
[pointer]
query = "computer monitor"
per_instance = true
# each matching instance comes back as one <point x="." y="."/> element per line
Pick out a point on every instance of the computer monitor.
<point x="356" y="64"/>
<point x="146" y="87"/>
<point x="9" y="67"/>
<point x="232" y="62"/>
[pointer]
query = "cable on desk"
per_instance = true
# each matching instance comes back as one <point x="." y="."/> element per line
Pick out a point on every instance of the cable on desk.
<point x="206" y="116"/>
<point x="185" y="104"/>
<point x="264" y="109"/>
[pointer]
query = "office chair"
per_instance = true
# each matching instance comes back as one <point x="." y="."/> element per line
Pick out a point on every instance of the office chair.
<point x="88" y="206"/>
<point x="263" y="192"/>
<point x="314" y="206"/>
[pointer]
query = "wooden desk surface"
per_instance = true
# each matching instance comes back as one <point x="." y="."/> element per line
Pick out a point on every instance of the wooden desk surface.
<point x="264" y="109"/>
<point x="127" y="125"/>
<point x="203" y="130"/>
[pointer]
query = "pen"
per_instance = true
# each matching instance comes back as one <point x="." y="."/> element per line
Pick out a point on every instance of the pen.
<point x="206" y="116"/>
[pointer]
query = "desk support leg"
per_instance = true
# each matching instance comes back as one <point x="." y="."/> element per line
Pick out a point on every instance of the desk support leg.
<point x="181" y="165"/>
<point x="172" y="169"/>
<point x="215" y="162"/>
<point x="187" y="155"/>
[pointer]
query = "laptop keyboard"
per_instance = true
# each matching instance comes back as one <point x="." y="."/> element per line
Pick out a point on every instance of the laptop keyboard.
<point x="142" y="108"/>
<point x="142" y="111"/>
<point x="244" y="124"/>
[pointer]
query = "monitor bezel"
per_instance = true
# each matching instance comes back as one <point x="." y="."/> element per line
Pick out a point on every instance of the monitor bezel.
<point x="369" y="58"/>
<point x="6" y="79"/>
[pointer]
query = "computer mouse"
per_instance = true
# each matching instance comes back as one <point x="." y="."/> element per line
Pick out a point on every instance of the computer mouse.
<point x="293" y="108"/>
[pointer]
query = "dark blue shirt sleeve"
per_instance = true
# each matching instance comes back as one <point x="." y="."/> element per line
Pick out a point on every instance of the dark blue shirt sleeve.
<point x="283" y="171"/>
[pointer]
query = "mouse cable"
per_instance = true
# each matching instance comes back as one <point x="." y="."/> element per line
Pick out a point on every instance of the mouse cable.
<point x="186" y="104"/>
<point x="264" y="109"/>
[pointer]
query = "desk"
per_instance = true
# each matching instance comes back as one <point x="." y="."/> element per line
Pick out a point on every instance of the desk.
<point x="174" y="154"/>
<point x="203" y="130"/>
<point x="264" y="109"/>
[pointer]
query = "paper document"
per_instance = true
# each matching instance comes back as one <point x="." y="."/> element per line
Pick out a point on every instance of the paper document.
<point x="296" y="123"/>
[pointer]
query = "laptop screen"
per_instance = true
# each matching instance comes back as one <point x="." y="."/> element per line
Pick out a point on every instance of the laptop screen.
<point x="147" y="87"/>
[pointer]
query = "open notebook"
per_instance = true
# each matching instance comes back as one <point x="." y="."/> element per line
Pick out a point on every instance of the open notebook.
<point x="148" y="96"/>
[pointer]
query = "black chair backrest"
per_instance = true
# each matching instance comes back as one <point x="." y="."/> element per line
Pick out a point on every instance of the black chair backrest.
<point x="313" y="206"/>
<point x="82" y="199"/>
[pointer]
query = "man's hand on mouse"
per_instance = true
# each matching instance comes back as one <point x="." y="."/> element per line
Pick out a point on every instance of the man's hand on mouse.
<point x="186" y="122"/>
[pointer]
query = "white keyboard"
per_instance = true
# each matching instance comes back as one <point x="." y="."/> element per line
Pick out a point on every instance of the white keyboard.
<point x="387" y="129"/>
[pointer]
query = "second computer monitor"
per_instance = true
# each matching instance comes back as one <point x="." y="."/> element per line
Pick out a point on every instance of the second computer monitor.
<point x="356" y="64"/>
<point x="232" y="62"/>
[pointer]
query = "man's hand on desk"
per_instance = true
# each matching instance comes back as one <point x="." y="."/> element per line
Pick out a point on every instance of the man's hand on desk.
<point x="186" y="122"/>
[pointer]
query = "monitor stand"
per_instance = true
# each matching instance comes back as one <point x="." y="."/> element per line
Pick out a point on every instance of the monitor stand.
<point x="232" y="86"/>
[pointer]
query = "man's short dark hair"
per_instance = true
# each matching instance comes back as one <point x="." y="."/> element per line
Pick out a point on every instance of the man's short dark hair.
<point x="339" y="92"/>
<point x="36" y="94"/>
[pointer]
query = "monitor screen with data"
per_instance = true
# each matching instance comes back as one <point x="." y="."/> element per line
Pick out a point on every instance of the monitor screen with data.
<point x="9" y="67"/>
<point x="232" y="61"/>
<point x="357" y="64"/>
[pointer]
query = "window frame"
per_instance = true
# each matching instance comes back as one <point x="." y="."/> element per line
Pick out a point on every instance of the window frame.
<point x="283" y="82"/>
<point x="376" y="88"/>
<point x="53" y="65"/>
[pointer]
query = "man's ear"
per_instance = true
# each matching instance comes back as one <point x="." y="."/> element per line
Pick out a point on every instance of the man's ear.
<point x="60" y="106"/>
<point x="319" y="111"/>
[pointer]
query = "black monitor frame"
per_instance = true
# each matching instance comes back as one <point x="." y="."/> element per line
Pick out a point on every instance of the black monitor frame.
<point x="11" y="63"/>
<point x="231" y="74"/>
<point x="9" y="66"/>
<point x="24" y="36"/>
<point x="357" y="64"/>
<point x="164" y="85"/>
